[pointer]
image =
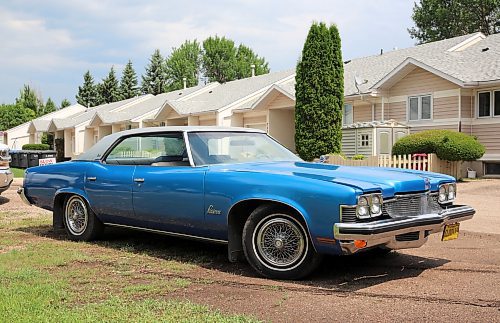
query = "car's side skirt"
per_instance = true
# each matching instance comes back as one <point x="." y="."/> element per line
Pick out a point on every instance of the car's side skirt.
<point x="174" y="234"/>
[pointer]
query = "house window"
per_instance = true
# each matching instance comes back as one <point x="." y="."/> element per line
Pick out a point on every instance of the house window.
<point x="365" y="140"/>
<point x="162" y="124"/>
<point x="420" y="108"/>
<point x="347" y="115"/>
<point x="488" y="104"/>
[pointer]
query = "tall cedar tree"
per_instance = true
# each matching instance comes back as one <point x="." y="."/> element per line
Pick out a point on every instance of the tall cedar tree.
<point x="128" y="82"/>
<point x="245" y="58"/>
<point x="184" y="62"/>
<point x="154" y="80"/>
<point x="109" y="90"/>
<point x="87" y="93"/>
<point x="442" y="19"/>
<point x="65" y="103"/>
<point x="219" y="59"/>
<point x="319" y="93"/>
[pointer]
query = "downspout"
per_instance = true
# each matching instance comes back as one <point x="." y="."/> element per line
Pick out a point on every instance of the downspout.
<point x="383" y="109"/>
<point x="459" y="110"/>
<point x="373" y="111"/>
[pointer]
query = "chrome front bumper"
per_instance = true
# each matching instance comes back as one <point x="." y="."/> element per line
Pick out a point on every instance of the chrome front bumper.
<point x="6" y="178"/>
<point x="390" y="233"/>
<point x="20" y="191"/>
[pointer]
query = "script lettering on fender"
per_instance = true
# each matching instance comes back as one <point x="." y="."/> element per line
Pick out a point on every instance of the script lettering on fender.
<point x="212" y="210"/>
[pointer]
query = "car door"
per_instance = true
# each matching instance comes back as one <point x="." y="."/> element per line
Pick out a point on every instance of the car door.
<point x="109" y="190"/>
<point x="168" y="193"/>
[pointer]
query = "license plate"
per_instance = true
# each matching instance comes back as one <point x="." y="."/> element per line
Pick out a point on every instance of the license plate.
<point x="450" y="232"/>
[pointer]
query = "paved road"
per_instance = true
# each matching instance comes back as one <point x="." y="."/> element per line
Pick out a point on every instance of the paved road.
<point x="454" y="281"/>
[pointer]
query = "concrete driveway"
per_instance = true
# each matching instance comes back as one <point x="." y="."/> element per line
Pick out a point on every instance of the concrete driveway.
<point x="484" y="196"/>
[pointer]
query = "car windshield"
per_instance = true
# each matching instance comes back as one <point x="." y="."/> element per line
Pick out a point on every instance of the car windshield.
<point x="210" y="148"/>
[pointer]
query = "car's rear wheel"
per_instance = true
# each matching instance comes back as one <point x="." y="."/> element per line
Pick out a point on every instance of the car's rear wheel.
<point x="80" y="222"/>
<point x="277" y="244"/>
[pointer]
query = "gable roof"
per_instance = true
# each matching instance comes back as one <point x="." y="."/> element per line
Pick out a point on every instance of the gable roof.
<point x="461" y="60"/>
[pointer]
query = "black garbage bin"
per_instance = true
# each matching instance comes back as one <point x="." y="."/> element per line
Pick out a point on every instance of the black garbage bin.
<point x="33" y="157"/>
<point x="23" y="159"/>
<point x="14" y="159"/>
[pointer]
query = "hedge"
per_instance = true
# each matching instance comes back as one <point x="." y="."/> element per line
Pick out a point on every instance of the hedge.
<point x="36" y="147"/>
<point x="446" y="144"/>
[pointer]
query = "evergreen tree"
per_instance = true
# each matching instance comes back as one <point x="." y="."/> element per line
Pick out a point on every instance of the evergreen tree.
<point x="65" y="103"/>
<point x="50" y="107"/>
<point x="219" y="59"/>
<point x="128" y="82"/>
<point x="109" y="90"/>
<point x="245" y="58"/>
<point x="154" y="80"/>
<point x="319" y="93"/>
<point x="184" y="62"/>
<point x="87" y="93"/>
<point x="442" y="19"/>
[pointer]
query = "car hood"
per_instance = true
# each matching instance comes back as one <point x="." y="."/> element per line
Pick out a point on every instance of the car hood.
<point x="368" y="179"/>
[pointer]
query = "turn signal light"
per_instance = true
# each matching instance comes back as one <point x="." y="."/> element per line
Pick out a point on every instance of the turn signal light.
<point x="359" y="243"/>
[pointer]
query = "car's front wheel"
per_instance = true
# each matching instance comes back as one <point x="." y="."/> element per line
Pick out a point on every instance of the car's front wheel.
<point x="80" y="222"/>
<point x="277" y="244"/>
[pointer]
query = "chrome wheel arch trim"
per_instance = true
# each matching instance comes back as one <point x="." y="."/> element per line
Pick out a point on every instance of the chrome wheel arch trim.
<point x="276" y="201"/>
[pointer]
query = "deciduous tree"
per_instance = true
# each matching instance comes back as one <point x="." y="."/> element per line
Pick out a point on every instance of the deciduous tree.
<point x="245" y="58"/>
<point x="442" y="19"/>
<point x="12" y="115"/>
<point x="184" y="62"/>
<point x="219" y="59"/>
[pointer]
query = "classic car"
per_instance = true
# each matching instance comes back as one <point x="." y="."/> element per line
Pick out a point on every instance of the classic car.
<point x="6" y="175"/>
<point x="240" y="187"/>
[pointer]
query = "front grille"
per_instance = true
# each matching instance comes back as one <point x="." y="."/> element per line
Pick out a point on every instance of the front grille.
<point x="398" y="207"/>
<point x="411" y="236"/>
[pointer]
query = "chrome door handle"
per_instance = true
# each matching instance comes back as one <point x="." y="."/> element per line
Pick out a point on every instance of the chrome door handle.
<point x="139" y="180"/>
<point x="91" y="179"/>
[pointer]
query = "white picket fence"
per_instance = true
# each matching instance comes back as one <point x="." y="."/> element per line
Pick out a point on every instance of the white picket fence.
<point x="416" y="162"/>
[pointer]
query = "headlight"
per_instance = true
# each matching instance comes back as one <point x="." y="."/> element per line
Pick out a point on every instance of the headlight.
<point x="447" y="193"/>
<point x="369" y="205"/>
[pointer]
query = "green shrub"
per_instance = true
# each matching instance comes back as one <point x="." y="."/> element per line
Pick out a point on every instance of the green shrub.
<point x="358" y="157"/>
<point x="446" y="144"/>
<point x="36" y="147"/>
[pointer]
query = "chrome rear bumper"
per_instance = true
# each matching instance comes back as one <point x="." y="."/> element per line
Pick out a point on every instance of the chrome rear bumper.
<point x="20" y="191"/>
<point x="6" y="178"/>
<point x="390" y="233"/>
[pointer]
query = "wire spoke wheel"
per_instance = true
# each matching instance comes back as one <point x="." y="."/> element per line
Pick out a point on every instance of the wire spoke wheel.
<point x="280" y="242"/>
<point x="76" y="215"/>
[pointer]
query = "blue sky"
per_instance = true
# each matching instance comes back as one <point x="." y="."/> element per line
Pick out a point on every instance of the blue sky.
<point x="50" y="44"/>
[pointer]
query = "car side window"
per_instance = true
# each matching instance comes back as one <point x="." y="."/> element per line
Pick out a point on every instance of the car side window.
<point x="150" y="150"/>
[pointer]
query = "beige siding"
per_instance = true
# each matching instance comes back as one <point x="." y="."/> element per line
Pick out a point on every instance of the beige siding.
<point x="467" y="107"/>
<point x="281" y="101"/>
<point x="396" y="111"/>
<point x="282" y="127"/>
<point x="349" y="142"/>
<point x="254" y="120"/>
<point x="378" y="111"/>
<point x="415" y="129"/>
<point x="445" y="108"/>
<point x="489" y="136"/>
<point x="419" y="81"/>
<point x="362" y="113"/>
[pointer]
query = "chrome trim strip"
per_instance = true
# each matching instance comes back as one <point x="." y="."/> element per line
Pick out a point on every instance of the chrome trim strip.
<point x="188" y="148"/>
<point x="174" y="234"/>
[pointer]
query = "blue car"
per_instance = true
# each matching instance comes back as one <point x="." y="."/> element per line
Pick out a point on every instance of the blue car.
<point x="238" y="186"/>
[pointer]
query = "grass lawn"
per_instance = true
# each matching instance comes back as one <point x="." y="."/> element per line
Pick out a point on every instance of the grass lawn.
<point x="45" y="278"/>
<point x="18" y="172"/>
